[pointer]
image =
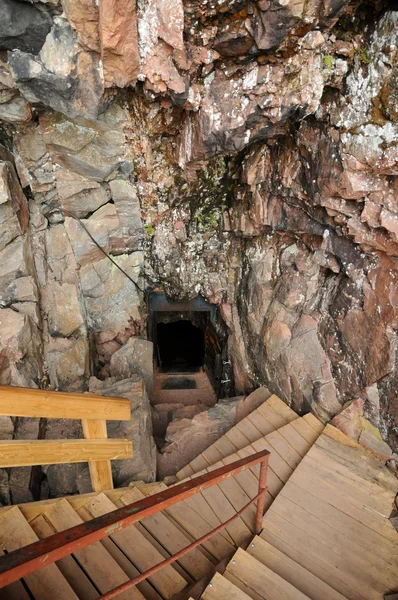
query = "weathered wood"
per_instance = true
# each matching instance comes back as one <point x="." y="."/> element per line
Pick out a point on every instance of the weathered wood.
<point x="47" y="583"/>
<point x="19" y="453"/>
<point x="99" y="565"/>
<point x="288" y="569"/>
<point x="26" y="402"/>
<point x="222" y="589"/>
<point x="139" y="550"/>
<point x="100" y="470"/>
<point x="247" y="573"/>
<point x="69" y="568"/>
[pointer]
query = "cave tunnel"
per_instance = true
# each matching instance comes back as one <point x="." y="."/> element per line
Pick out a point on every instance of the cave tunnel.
<point x="180" y="346"/>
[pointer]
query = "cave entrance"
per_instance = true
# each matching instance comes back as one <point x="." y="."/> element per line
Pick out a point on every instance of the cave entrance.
<point x="180" y="347"/>
<point x="190" y="363"/>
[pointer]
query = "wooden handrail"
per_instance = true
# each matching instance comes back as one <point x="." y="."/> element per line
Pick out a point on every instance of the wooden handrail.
<point x="93" y="410"/>
<point x="26" y="402"/>
<point x="31" y="558"/>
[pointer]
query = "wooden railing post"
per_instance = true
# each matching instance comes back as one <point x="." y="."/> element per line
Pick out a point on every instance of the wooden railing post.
<point x="100" y="470"/>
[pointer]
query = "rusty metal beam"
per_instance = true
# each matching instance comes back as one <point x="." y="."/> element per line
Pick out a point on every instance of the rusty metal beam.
<point x="31" y="558"/>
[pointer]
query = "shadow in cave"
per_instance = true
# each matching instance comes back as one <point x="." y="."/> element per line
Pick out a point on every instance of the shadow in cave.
<point x="181" y="347"/>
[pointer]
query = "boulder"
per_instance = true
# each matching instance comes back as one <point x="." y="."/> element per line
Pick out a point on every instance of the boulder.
<point x="128" y="210"/>
<point x="349" y="421"/>
<point x="188" y="437"/>
<point x="23" y="26"/>
<point x="61" y="76"/>
<point x="134" y="358"/>
<point x="139" y="429"/>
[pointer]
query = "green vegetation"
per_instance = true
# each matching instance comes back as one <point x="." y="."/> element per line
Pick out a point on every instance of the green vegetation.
<point x="328" y="62"/>
<point x="363" y="55"/>
<point x="149" y="230"/>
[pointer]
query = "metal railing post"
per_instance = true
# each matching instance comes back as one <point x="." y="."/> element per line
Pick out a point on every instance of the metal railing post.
<point x="262" y="488"/>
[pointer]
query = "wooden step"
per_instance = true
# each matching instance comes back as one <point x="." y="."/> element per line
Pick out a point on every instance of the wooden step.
<point x="287" y="446"/>
<point x="258" y="581"/>
<point x="196" y="563"/>
<point x="268" y="417"/>
<point x="291" y="571"/>
<point x="101" y="568"/>
<point x="221" y="589"/>
<point x="331" y="518"/>
<point x="139" y="550"/>
<point x="77" y="578"/>
<point x="47" y="583"/>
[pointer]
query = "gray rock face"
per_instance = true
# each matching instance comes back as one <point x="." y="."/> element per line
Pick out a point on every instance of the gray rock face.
<point x="61" y="76"/>
<point x="23" y="26"/>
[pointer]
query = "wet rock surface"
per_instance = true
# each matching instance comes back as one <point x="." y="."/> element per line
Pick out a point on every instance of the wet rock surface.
<point x="245" y="152"/>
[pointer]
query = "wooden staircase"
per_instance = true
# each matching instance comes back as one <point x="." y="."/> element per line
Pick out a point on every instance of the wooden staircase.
<point x="326" y="532"/>
<point x="326" y="536"/>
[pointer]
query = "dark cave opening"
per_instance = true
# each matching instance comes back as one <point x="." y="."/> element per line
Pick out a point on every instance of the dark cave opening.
<point x="181" y="346"/>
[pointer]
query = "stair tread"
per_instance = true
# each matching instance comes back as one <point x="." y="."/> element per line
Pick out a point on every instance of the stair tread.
<point x="265" y="419"/>
<point x="172" y="538"/>
<point x="76" y="578"/>
<point x="332" y="518"/>
<point x="99" y="565"/>
<point x="139" y="550"/>
<point x="222" y="589"/>
<point x="258" y="581"/>
<point x="288" y="569"/>
<point x="13" y="591"/>
<point x="47" y="583"/>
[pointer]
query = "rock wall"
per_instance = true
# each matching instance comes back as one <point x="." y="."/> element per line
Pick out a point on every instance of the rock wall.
<point x="244" y="151"/>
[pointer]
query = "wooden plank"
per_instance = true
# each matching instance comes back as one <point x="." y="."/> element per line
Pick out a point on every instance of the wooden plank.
<point x="222" y="589"/>
<point x="282" y="408"/>
<point x="290" y="571"/>
<point x="378" y="503"/>
<point x="322" y="571"/>
<point x="295" y="439"/>
<point x="289" y="454"/>
<point x="314" y="422"/>
<point x="14" y="591"/>
<point x="326" y="492"/>
<point x="26" y="402"/>
<point x="237" y="438"/>
<point x="19" y="453"/>
<point x="200" y="505"/>
<point x="351" y="475"/>
<point x="356" y="458"/>
<point x="197" y="527"/>
<point x="248" y="430"/>
<point x="356" y="584"/>
<point x="274" y="484"/>
<point x="238" y="499"/>
<point x="171" y="538"/>
<point x="305" y="430"/>
<point x="69" y="568"/>
<point x="199" y="463"/>
<point x="212" y="455"/>
<point x="144" y="587"/>
<point x="224" y="446"/>
<point x="276" y="462"/>
<point x="101" y="568"/>
<point x="260" y="422"/>
<point x="187" y="471"/>
<point x="297" y="489"/>
<point x="258" y="580"/>
<point x="47" y="583"/>
<point x="275" y="419"/>
<point x="139" y="551"/>
<point x="31" y="510"/>
<point x="224" y="511"/>
<point x="341" y="534"/>
<point x="379" y="572"/>
<point x="100" y="470"/>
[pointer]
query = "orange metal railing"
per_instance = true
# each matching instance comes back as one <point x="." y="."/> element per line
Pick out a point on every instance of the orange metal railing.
<point x="22" y="562"/>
